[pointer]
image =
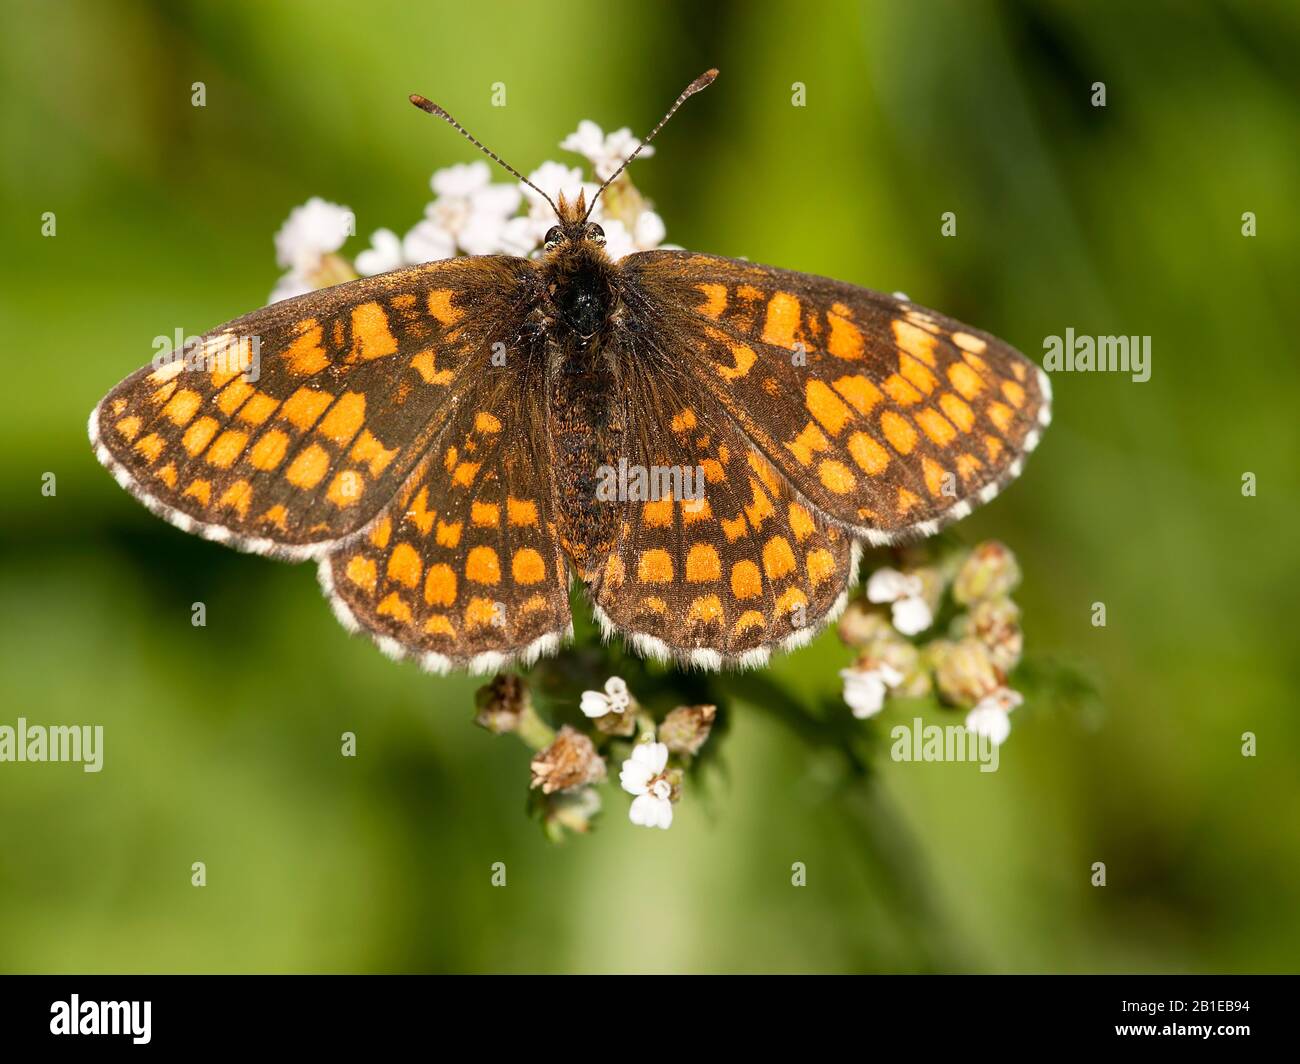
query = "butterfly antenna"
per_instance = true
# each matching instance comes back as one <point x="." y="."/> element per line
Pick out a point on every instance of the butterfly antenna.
<point x="439" y="112"/>
<point x="702" y="82"/>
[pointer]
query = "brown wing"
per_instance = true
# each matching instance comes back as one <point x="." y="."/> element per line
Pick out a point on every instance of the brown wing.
<point x="289" y="429"/>
<point x="463" y="568"/>
<point x="722" y="563"/>
<point x="887" y="418"/>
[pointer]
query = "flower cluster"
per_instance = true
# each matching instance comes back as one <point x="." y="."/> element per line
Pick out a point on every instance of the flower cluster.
<point x="569" y="764"/>
<point x="470" y="214"/>
<point x="967" y="666"/>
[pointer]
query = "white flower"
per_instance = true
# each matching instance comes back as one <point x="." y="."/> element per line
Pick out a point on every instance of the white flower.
<point x="615" y="699"/>
<point x="605" y="153"/>
<point x="642" y="775"/>
<point x="865" y="689"/>
<point x="647" y="235"/>
<point x="991" y="716"/>
<point x="384" y="254"/>
<point x="428" y="242"/>
<point x="469" y="213"/>
<point x="290" y="285"/>
<point x="911" y="613"/>
<point x="311" y="232"/>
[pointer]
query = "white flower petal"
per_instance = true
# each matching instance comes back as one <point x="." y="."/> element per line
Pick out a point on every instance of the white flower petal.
<point x="650" y="812"/>
<point x="290" y="285"/>
<point x="428" y="243"/>
<point x="384" y="254"/>
<point x="461" y="179"/>
<point x="650" y="230"/>
<point x="653" y="755"/>
<point x="311" y="231"/>
<point x="864" y="691"/>
<point x="992" y="722"/>
<point x="634" y="777"/>
<point x="889" y="585"/>
<point x="912" y="615"/>
<point x="594" y="704"/>
<point x="499" y="201"/>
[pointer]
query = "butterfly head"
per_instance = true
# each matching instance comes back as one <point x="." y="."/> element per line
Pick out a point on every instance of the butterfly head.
<point x="573" y="228"/>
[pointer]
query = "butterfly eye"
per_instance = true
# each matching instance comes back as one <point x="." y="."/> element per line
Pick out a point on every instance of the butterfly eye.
<point x="552" y="236"/>
<point x="596" y="233"/>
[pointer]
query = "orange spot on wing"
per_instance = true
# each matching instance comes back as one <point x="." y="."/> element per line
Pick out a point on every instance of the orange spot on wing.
<point x="371" y="336"/>
<point x="936" y="426"/>
<point x="801" y="522"/>
<point x="201" y="490"/>
<point x="959" y="413"/>
<point x="344" y="419"/>
<point x="965" y="380"/>
<point x="845" y="339"/>
<point x="715" y="300"/>
<point x="520" y="512"/>
<point x="898" y="433"/>
<point x="441" y="308"/>
<point x="483" y="566"/>
<point x="860" y="392"/>
<point x="781" y="320"/>
<point x="309" y="468"/>
<point x="303" y="407"/>
<point x="703" y="564"/>
<point x="746" y="580"/>
<point x="916" y="342"/>
<point x="826" y="406"/>
<point x="395" y="606"/>
<point x="305" y="355"/>
<point x="258" y="408"/>
<point x="182" y="406"/>
<point x="228" y="447"/>
<point x="485" y="514"/>
<point x="820" y="564"/>
<point x="368" y="450"/>
<point x="704" y="610"/>
<point x="239" y="495"/>
<point x="268" y="450"/>
<point x="867" y="452"/>
<point x="836" y="476"/>
<point x="425" y="364"/>
<point x="743" y="359"/>
<point x="440" y="585"/>
<point x="404" y="565"/>
<point x="655" y="567"/>
<point x="199" y="434"/>
<point x="346" y="488"/>
<point x="361" y="571"/>
<point x="778" y="558"/>
<point x="527" y="566"/>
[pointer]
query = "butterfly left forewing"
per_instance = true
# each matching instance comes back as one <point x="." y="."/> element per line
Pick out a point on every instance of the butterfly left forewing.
<point x="889" y="418"/>
<point x="290" y="428"/>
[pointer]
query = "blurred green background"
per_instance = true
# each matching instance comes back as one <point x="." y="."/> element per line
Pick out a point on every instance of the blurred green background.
<point x="222" y="743"/>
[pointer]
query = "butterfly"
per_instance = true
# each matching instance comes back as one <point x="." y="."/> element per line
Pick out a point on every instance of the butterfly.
<point x="705" y="443"/>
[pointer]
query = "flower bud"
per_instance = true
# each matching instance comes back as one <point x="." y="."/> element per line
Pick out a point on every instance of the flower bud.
<point x="686" y="728"/>
<point x="990" y="571"/>
<point x="500" y="703"/>
<point x="570" y="811"/>
<point x="569" y="762"/>
<point x="964" y="672"/>
<point x="995" y="623"/>
<point x="861" y="623"/>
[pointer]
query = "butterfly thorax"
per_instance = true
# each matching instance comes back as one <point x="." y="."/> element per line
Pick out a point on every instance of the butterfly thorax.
<point x="586" y="428"/>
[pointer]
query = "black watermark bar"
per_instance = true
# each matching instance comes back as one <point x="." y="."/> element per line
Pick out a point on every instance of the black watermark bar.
<point x="165" y="1013"/>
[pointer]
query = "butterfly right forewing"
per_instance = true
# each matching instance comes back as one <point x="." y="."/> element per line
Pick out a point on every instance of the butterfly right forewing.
<point x="889" y="418"/>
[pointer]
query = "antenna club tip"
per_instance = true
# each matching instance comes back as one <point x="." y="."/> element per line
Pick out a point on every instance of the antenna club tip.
<point x="703" y="81"/>
<point x="424" y="105"/>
